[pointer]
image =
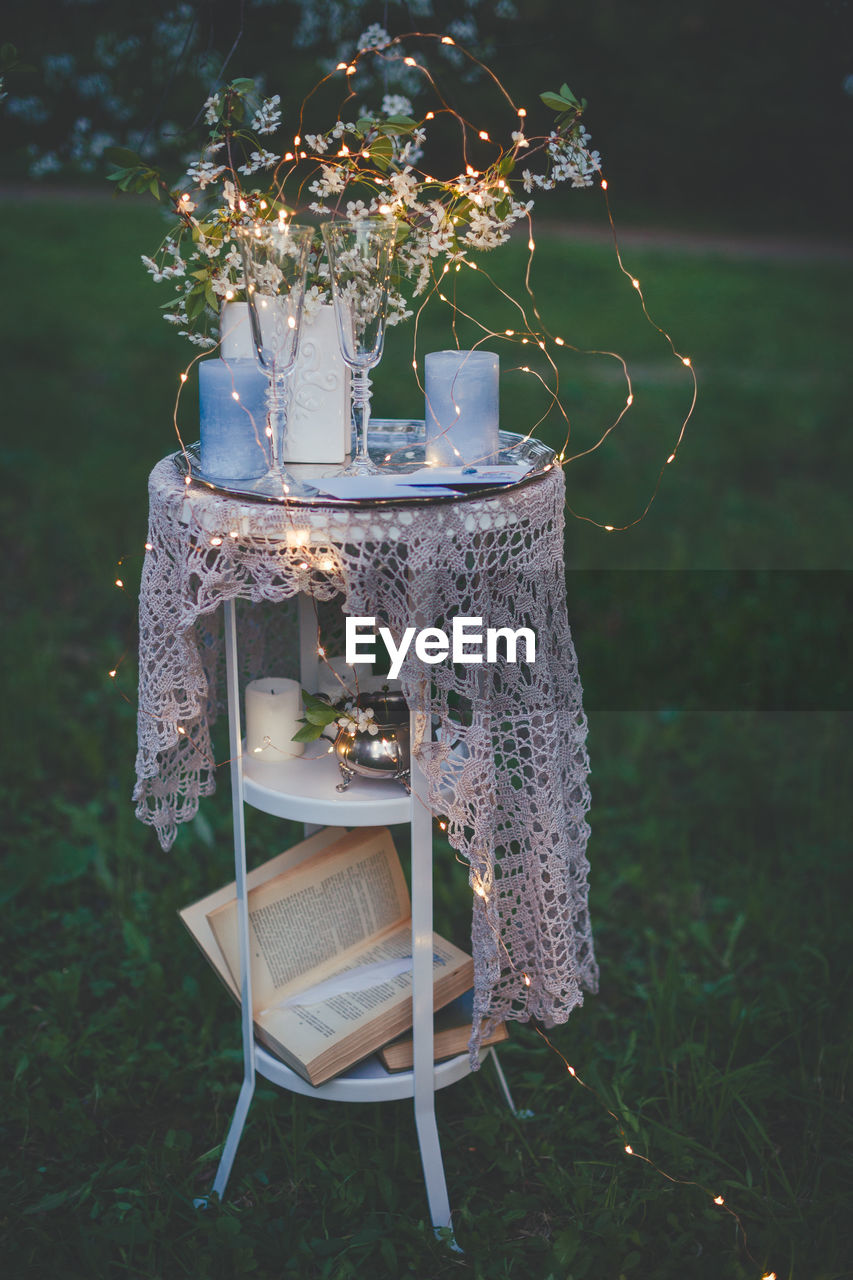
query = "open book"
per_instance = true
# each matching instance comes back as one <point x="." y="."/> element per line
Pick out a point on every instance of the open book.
<point x="331" y="945"/>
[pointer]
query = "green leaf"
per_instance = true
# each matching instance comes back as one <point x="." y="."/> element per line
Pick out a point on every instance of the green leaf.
<point x="154" y="188"/>
<point x="314" y="703"/>
<point x="308" y="733"/>
<point x="321" y="717"/>
<point x="566" y="93"/>
<point x="555" y="101"/>
<point x="210" y="297"/>
<point x="195" y="304"/>
<point x="242" y="85"/>
<point x="406" y="121"/>
<point x="381" y="152"/>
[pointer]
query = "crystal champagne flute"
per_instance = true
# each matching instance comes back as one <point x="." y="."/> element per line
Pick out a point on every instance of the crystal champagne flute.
<point x="360" y="253"/>
<point x="275" y="262"/>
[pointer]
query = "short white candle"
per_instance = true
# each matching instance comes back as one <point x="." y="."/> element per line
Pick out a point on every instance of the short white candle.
<point x="273" y="712"/>
<point x="462" y="417"/>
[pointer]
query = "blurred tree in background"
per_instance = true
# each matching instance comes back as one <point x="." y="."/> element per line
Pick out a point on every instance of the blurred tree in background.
<point x="733" y="111"/>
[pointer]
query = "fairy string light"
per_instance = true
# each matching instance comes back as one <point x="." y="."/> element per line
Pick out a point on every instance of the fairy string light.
<point x="364" y="158"/>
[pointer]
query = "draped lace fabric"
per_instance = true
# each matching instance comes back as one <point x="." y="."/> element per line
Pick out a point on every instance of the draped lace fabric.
<point x="506" y="763"/>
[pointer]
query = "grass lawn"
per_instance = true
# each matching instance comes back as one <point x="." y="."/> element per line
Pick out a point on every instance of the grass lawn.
<point x="711" y="638"/>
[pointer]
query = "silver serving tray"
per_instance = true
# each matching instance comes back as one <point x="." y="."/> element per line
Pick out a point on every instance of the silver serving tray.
<point x="396" y="445"/>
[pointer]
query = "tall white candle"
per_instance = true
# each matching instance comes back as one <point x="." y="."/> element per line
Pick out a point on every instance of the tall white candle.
<point x="273" y="712"/>
<point x="462" y="417"/>
<point x="318" y="414"/>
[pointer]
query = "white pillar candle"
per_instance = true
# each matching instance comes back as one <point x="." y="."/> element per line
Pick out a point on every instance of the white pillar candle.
<point x="273" y="712"/>
<point x="318" y="410"/>
<point x="318" y="413"/>
<point x="462" y="416"/>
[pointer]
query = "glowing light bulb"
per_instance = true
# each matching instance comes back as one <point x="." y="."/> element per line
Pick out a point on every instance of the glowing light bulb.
<point x="235" y="395"/>
<point x="531" y="244"/>
<point x="119" y="582"/>
<point x="629" y="1150"/>
<point x="671" y="458"/>
<point x="321" y="652"/>
<point x="685" y="360"/>
<point x="635" y="283"/>
<point x="630" y="400"/>
<point x="297" y="141"/>
<point x="559" y="342"/>
<point x="149" y="546"/>
<point x="430" y="115"/>
<point x="263" y="204"/>
<point x="522" y="111"/>
<point x="609" y="528"/>
<point x="112" y="674"/>
<point x="342" y="66"/>
<point x="187" y="480"/>
<point x="229" y="294"/>
<point x="291" y="322"/>
<point x="525" y="368"/>
<point x="510" y="333"/>
<point x="409" y="62"/>
<point x="351" y="71"/>
<point x="482" y="134"/>
<point x="526" y="980"/>
<point x="385" y="208"/>
<point x="603" y="184"/>
<point x="182" y="730"/>
<point x="414" y="364"/>
<point x="184" y="377"/>
<point x="288" y="155"/>
<point x="447" y="40"/>
<point x="216" y="542"/>
<point x="719" y="1200"/>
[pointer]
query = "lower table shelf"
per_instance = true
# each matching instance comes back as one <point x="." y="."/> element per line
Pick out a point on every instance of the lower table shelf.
<point x="367" y="1081"/>
<point x="305" y="788"/>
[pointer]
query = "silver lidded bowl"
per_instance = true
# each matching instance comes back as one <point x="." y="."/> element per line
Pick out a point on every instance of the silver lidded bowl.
<point x="384" y="754"/>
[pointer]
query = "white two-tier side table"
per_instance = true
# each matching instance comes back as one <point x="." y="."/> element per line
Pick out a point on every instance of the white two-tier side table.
<point x="508" y="771"/>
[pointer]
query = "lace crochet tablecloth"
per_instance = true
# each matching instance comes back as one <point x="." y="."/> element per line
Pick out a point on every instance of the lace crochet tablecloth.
<point x="508" y="769"/>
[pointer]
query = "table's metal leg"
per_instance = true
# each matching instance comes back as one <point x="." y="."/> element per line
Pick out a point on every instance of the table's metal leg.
<point x="422" y="998"/>
<point x="235" y="743"/>
<point x="309" y="663"/>
<point x="502" y="1081"/>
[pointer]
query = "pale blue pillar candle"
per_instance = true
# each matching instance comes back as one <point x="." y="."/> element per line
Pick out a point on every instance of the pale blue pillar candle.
<point x="462" y="416"/>
<point x="232" y="408"/>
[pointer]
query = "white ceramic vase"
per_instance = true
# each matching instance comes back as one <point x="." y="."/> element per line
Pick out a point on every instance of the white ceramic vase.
<point x="318" y="418"/>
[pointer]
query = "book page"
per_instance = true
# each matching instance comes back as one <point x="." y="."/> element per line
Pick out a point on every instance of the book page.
<point x="308" y="1030"/>
<point x="316" y="915"/>
<point x="195" y="916"/>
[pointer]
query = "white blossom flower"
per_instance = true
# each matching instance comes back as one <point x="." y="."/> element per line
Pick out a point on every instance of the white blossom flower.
<point x="374" y="37"/>
<point x="204" y="172"/>
<point x="396" y="104"/>
<point x="332" y="179"/>
<point x="520" y="140"/>
<point x="210" y="109"/>
<point x="267" y="118"/>
<point x="262" y="159"/>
